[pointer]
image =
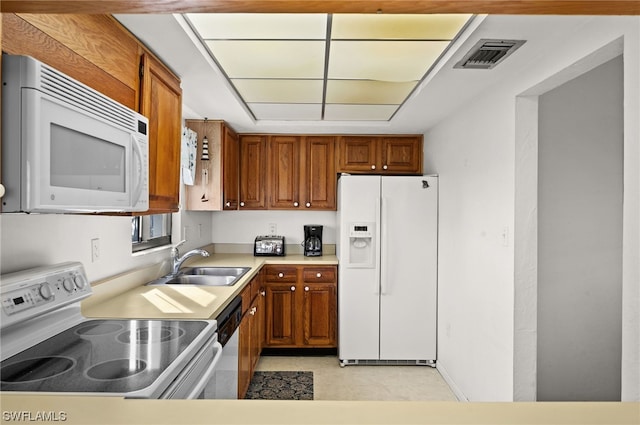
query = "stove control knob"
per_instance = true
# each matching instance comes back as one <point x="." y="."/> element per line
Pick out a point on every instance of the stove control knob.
<point x="45" y="291"/>
<point x="79" y="282"/>
<point x="68" y="285"/>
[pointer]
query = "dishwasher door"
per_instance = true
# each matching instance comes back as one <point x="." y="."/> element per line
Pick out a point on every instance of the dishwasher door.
<point x="224" y="384"/>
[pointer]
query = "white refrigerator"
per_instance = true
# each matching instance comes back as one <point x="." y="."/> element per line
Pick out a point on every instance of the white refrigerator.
<point x="387" y="252"/>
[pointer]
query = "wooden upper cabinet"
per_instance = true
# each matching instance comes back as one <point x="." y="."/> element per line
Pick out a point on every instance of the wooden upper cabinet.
<point x="319" y="180"/>
<point x="230" y="170"/>
<point x="357" y="154"/>
<point x="216" y="180"/>
<point x="301" y="172"/>
<point x="161" y="102"/>
<point x="402" y="154"/>
<point x="252" y="171"/>
<point x="283" y="154"/>
<point x="380" y="154"/>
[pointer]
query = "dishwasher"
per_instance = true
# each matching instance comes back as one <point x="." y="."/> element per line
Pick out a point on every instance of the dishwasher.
<point x="224" y="384"/>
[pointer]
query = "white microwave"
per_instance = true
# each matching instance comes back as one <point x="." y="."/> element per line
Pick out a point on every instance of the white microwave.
<point x="67" y="147"/>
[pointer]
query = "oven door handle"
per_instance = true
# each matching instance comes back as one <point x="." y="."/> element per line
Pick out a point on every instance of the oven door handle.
<point x="208" y="374"/>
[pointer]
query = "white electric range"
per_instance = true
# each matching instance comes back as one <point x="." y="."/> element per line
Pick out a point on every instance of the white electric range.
<point x="49" y="347"/>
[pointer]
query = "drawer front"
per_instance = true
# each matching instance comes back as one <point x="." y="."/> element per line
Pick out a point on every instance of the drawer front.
<point x="319" y="274"/>
<point x="281" y="274"/>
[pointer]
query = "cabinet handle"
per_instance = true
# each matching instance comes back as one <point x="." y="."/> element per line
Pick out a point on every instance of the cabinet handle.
<point x="308" y="204"/>
<point x="306" y="288"/>
<point x="295" y="204"/>
<point x="253" y="311"/>
<point x="228" y="204"/>
<point x="280" y="274"/>
<point x="318" y="274"/>
<point x="293" y="288"/>
<point x="385" y="167"/>
<point x="263" y="293"/>
<point x="242" y="204"/>
<point x="373" y="167"/>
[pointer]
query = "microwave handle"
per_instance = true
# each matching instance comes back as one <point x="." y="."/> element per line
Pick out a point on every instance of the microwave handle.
<point x="137" y="171"/>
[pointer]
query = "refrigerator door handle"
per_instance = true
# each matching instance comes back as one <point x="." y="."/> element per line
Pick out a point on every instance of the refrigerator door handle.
<point x="378" y="248"/>
<point x="384" y="255"/>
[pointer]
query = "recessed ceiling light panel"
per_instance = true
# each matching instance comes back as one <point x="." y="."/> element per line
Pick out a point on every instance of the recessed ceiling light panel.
<point x="338" y="67"/>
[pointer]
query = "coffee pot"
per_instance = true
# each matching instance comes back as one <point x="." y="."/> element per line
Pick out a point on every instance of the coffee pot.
<point x="312" y="240"/>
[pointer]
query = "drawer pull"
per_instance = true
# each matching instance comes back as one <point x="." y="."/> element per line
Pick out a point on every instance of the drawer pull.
<point x="318" y="274"/>
<point x="293" y="288"/>
<point x="280" y="274"/>
<point x="306" y="288"/>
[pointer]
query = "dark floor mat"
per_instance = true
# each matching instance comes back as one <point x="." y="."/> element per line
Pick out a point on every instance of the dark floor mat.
<point x="281" y="386"/>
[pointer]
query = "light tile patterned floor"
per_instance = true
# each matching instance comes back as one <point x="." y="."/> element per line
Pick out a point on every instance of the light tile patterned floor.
<point x="332" y="382"/>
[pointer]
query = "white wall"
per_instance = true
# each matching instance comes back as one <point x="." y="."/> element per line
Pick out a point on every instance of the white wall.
<point x="243" y="226"/>
<point x="474" y="153"/>
<point x="33" y="240"/>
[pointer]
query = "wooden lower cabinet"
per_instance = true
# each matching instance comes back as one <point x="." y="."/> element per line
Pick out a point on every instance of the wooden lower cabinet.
<point x="251" y="333"/>
<point x="301" y="306"/>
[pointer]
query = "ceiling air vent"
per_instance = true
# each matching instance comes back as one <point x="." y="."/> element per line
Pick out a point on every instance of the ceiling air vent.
<point x="486" y="54"/>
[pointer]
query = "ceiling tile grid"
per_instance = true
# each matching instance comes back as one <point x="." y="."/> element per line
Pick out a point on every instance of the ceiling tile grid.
<point x="316" y="67"/>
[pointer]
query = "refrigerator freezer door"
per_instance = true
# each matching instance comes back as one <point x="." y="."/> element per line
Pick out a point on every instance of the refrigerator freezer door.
<point x="359" y="287"/>
<point x="408" y="268"/>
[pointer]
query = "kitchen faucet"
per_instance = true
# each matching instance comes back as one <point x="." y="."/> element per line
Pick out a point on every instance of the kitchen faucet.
<point x="177" y="261"/>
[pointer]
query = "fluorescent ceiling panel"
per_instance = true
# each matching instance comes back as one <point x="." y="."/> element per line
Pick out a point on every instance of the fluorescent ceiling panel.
<point x="396" y="27"/>
<point x="269" y="59"/>
<point x="368" y="92"/>
<point x="279" y="66"/>
<point x="280" y="91"/>
<point x="286" y="112"/>
<point x="383" y="60"/>
<point x="243" y="26"/>
<point x="359" y="112"/>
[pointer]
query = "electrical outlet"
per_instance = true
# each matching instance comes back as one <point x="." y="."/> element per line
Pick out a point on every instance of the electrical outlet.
<point x="95" y="250"/>
<point x="273" y="228"/>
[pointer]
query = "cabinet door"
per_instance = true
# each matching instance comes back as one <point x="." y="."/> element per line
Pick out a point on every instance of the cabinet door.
<point x="280" y="314"/>
<point x="230" y="169"/>
<point x="402" y="155"/>
<point x="320" y="306"/>
<point x="319" y="314"/>
<point x="357" y="154"/>
<point x="319" y="179"/>
<point x="252" y="172"/>
<point x="244" y="344"/>
<point x="284" y="172"/>
<point x="161" y="102"/>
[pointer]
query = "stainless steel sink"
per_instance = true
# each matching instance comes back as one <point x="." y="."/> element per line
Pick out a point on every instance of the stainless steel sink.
<point x="214" y="271"/>
<point x="204" y="276"/>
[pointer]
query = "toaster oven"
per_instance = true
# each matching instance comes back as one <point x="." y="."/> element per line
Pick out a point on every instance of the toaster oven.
<point x="269" y="246"/>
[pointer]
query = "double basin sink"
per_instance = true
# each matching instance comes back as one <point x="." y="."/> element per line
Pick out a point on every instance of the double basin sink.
<point x="204" y="276"/>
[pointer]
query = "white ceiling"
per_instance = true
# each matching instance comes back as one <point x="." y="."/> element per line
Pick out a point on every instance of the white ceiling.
<point x="206" y="92"/>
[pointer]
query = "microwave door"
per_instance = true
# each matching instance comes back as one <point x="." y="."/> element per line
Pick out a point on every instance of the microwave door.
<point x="76" y="161"/>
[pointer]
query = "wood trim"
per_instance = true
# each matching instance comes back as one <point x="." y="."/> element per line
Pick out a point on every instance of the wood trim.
<point x="522" y="7"/>
<point x="24" y="38"/>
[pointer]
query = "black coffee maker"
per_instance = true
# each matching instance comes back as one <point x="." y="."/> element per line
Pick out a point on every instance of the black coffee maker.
<point x="312" y="240"/>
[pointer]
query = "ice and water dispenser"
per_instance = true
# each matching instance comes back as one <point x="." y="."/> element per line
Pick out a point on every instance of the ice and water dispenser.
<point x="361" y="245"/>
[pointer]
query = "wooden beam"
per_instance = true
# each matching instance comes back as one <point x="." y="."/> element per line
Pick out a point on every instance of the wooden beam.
<point x="521" y="7"/>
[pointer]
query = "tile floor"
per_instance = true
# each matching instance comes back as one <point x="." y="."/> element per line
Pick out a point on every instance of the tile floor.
<point x="332" y="382"/>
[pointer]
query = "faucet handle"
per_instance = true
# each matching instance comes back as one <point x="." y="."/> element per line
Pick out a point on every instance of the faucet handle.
<point x="180" y="243"/>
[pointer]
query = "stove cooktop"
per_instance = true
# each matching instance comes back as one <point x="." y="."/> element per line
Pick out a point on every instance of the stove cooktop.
<point x="102" y="356"/>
